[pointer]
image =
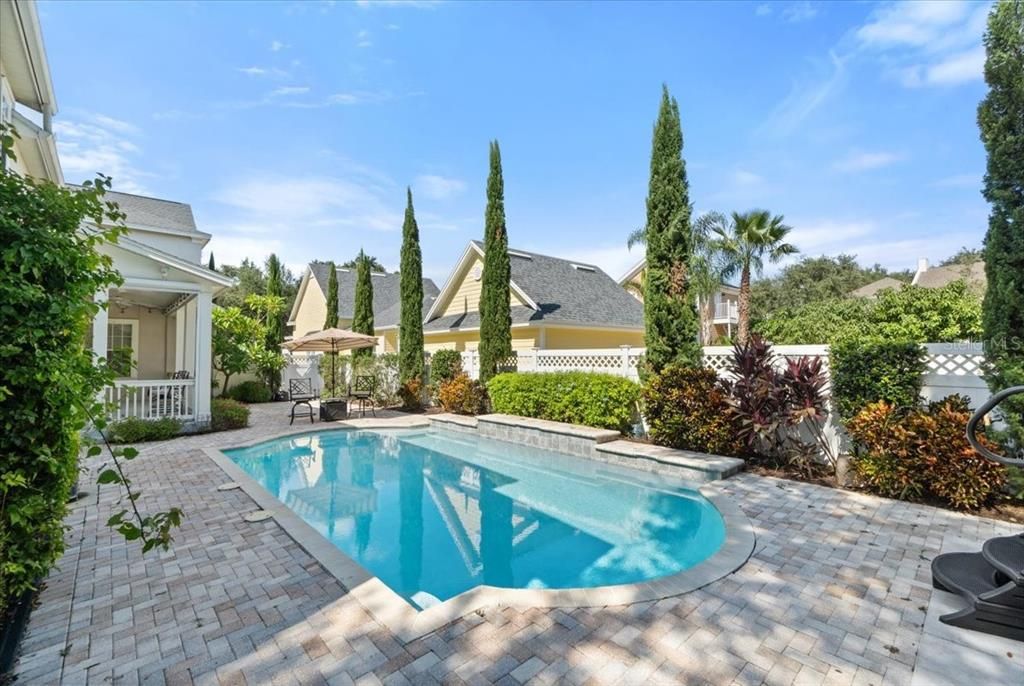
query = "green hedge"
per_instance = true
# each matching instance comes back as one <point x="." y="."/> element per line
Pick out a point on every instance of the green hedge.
<point x="866" y="371"/>
<point x="445" y="365"/>
<point x="134" y="430"/>
<point x="228" y="414"/>
<point x="588" y="398"/>
<point x="249" y="392"/>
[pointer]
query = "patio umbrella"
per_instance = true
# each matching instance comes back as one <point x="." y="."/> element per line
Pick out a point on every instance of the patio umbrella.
<point x="332" y="341"/>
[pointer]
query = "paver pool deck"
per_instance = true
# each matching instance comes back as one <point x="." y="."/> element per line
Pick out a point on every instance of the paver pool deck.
<point x="837" y="592"/>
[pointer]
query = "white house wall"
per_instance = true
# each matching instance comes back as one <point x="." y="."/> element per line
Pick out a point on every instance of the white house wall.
<point x="179" y="246"/>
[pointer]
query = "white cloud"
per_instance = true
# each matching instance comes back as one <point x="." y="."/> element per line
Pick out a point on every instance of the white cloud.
<point x="277" y="46"/>
<point x="96" y="143"/>
<point x="863" y="161"/>
<point x="358" y="97"/>
<point x="827" y="236"/>
<point x="960" y="181"/>
<point x="927" y="43"/>
<point x="271" y="203"/>
<point x="288" y="90"/>
<point x="416" y="4"/>
<point x="363" y="39"/>
<point x="742" y="177"/>
<point x="806" y="97"/>
<point x="392" y="27"/>
<point x="438" y="187"/>
<point x="273" y="72"/>
<point x="763" y="10"/>
<point x="799" y="11"/>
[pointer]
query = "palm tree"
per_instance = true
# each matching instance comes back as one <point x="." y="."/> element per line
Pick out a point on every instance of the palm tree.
<point x="743" y="241"/>
<point x="706" y="273"/>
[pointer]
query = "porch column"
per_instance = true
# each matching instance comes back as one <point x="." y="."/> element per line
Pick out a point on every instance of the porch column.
<point x="204" y="358"/>
<point x="99" y="325"/>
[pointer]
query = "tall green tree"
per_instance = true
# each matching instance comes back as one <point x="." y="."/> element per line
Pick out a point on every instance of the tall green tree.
<point x="331" y="320"/>
<point x="744" y="241"/>
<point x="495" y="298"/>
<point x="212" y="266"/>
<point x="275" y="320"/>
<point x="670" y="315"/>
<point x="362" y="315"/>
<point x="410" y="331"/>
<point x="1001" y="120"/>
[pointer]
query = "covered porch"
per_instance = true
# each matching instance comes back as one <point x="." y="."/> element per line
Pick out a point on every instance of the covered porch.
<point x="156" y="332"/>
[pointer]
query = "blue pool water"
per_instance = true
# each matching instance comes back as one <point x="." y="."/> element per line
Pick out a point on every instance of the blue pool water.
<point x="434" y="513"/>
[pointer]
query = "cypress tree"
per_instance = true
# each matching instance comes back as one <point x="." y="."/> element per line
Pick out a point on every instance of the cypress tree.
<point x="275" y="327"/>
<point x="495" y="308"/>
<point x="212" y="266"/>
<point x="362" y="316"/>
<point x="410" y="330"/>
<point x="331" y="321"/>
<point x="1001" y="120"/>
<point x="670" y="315"/>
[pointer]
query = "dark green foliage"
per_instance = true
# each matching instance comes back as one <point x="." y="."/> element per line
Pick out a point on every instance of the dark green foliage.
<point x="251" y="281"/>
<point x="964" y="257"/>
<point x="811" y="280"/>
<point x="670" y="314"/>
<point x="331" y="320"/>
<point x="410" y="331"/>
<point x="226" y="414"/>
<point x="362" y="315"/>
<point x="1001" y="120"/>
<point x="211" y="265"/>
<point x="588" y="398"/>
<point x="134" y="430"/>
<point x="495" y="298"/>
<point x="686" y="408"/>
<point x="249" y="392"/>
<point x="275" y="323"/>
<point x="866" y="371"/>
<point x="922" y="451"/>
<point x="375" y="265"/>
<point x="49" y="272"/>
<point x="445" y="365"/>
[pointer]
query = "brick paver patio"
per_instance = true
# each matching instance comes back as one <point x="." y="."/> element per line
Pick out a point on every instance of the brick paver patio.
<point x="835" y="593"/>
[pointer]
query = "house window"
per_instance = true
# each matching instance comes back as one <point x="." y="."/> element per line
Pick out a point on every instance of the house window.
<point x="122" y="346"/>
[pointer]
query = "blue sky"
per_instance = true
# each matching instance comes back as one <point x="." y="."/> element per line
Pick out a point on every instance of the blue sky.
<point x="295" y="127"/>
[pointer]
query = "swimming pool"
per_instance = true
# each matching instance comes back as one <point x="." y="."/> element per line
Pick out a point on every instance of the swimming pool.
<point x="434" y="513"/>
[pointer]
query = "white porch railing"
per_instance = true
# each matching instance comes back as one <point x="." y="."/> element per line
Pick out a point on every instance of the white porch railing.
<point x="727" y="311"/>
<point x="151" y="399"/>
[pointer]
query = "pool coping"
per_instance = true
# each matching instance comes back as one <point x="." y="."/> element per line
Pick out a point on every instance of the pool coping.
<point x="395" y="613"/>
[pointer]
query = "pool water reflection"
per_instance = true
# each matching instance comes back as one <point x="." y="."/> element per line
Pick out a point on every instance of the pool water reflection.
<point x="435" y="513"/>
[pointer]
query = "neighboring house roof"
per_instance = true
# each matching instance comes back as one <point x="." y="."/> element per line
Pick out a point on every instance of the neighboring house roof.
<point x="640" y="266"/>
<point x="557" y="291"/>
<point x="872" y="289"/>
<point x="154" y="214"/>
<point x="937" y="277"/>
<point x="386" y="294"/>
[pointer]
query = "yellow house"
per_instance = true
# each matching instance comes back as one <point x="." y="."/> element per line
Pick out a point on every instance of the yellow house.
<point x="719" y="315"/>
<point x="556" y="304"/>
<point x="310" y="308"/>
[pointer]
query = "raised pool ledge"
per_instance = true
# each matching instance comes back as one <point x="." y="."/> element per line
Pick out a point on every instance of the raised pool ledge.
<point x="604" y="445"/>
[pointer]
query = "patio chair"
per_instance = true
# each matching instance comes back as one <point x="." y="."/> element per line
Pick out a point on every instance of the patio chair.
<point x="300" y="392"/>
<point x="362" y="392"/>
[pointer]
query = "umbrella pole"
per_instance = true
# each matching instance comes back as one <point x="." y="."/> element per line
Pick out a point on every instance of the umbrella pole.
<point x="334" y="378"/>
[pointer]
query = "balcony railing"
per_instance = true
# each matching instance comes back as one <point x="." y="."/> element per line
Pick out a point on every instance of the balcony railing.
<point x="151" y="399"/>
<point x="727" y="311"/>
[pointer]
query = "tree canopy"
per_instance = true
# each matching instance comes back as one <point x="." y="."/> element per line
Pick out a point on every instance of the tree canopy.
<point x="812" y="279"/>
<point x="410" y="330"/>
<point x="362" y="315"/>
<point x="375" y="265"/>
<point x="495" y="298"/>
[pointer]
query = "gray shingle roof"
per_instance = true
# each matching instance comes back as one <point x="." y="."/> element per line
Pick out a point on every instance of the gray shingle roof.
<point x="564" y="294"/>
<point x="386" y="301"/>
<point x="875" y="287"/>
<point x="153" y="212"/>
<point x="937" y="277"/>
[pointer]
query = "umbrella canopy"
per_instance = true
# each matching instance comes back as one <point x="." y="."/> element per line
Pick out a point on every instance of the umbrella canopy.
<point x="331" y="341"/>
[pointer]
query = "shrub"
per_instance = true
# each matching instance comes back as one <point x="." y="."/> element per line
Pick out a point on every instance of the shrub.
<point x="384" y="370"/>
<point x="922" y="451"/>
<point x="51" y="271"/>
<point x="686" y="408"/>
<point x="410" y="393"/>
<point x="866" y="371"/>
<point x="134" y="430"/>
<point x="445" y="365"/>
<point x="588" y="398"/>
<point x="226" y="414"/>
<point x="336" y="387"/>
<point x="463" y="395"/>
<point x="249" y="392"/>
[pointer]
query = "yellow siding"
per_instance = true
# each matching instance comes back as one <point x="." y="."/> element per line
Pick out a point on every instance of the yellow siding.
<point x="312" y="310"/>
<point x="390" y="340"/>
<point x="467" y="297"/>
<point x="522" y="339"/>
<point x="562" y="339"/>
<point x="635" y="286"/>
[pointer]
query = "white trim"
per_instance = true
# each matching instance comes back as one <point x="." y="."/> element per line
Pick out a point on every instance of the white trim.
<point x="196" y="235"/>
<point x="452" y="281"/>
<point x="42" y="99"/>
<point x="303" y="285"/>
<point x="140" y="283"/>
<point x="448" y="282"/>
<point x="633" y="271"/>
<point x="134" y="323"/>
<point x="44" y="147"/>
<point x="170" y="260"/>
